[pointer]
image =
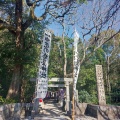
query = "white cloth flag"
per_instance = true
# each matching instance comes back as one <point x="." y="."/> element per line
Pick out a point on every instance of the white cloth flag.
<point x="42" y="80"/>
<point x="76" y="61"/>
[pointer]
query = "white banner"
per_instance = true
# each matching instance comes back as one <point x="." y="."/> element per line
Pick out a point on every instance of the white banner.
<point x="42" y="80"/>
<point x="76" y="61"/>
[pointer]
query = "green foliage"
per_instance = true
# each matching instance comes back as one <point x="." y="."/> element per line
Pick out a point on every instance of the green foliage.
<point x="56" y="60"/>
<point x="30" y="71"/>
<point x="28" y="58"/>
<point x="52" y="74"/>
<point x="115" y="93"/>
<point x="1" y="89"/>
<point x="111" y="68"/>
<point x="7" y="54"/>
<point x="87" y="79"/>
<point x="29" y="91"/>
<point x="87" y="85"/>
<point x="6" y="101"/>
<point x="1" y="100"/>
<point x="69" y="53"/>
<point x="84" y="96"/>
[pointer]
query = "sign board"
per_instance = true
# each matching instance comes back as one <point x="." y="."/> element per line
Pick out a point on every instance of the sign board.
<point x="100" y="85"/>
<point x="42" y="79"/>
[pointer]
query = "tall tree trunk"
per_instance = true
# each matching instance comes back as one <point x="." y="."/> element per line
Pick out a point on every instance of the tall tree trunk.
<point x="108" y="79"/>
<point x="14" y="89"/>
<point x="108" y="70"/>
<point x="15" y="83"/>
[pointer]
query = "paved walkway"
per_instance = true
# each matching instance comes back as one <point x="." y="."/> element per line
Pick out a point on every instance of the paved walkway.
<point x="52" y="111"/>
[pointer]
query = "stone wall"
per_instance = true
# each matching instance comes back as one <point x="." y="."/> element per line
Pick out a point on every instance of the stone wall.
<point x="80" y="108"/>
<point x="10" y="110"/>
<point x="91" y="110"/>
<point x="16" y="111"/>
<point x="108" y="112"/>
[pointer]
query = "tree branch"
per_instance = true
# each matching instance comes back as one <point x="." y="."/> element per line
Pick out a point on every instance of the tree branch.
<point x="27" y="24"/>
<point x="33" y="16"/>
<point x="5" y="25"/>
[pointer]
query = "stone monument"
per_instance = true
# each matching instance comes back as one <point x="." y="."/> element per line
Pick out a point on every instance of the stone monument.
<point x="100" y="85"/>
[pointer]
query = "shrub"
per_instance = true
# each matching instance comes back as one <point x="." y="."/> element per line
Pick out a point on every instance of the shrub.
<point x="84" y="96"/>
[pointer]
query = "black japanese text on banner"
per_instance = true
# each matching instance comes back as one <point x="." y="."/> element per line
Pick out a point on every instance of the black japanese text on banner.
<point x="76" y="59"/>
<point x="42" y="79"/>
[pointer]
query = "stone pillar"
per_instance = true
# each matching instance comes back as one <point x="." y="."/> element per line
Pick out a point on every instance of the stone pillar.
<point x="100" y="85"/>
<point x="67" y="98"/>
<point x="36" y="105"/>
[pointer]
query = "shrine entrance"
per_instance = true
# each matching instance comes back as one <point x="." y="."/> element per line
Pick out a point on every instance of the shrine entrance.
<point x="63" y="91"/>
<point x="61" y="83"/>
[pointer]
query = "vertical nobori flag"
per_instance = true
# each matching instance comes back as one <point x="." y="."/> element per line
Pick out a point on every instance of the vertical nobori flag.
<point x="42" y="79"/>
<point x="76" y="58"/>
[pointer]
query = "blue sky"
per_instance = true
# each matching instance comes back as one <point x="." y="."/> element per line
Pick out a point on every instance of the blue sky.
<point x="85" y="9"/>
